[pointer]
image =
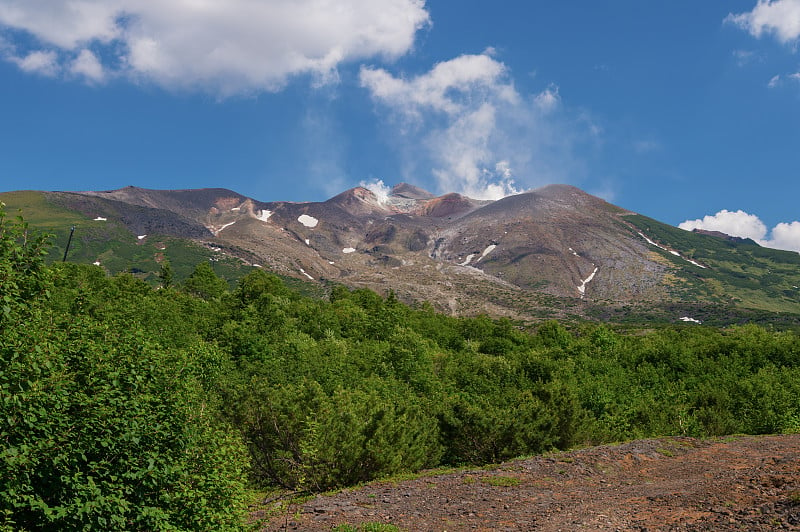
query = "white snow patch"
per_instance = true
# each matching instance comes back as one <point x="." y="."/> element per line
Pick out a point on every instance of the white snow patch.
<point x="218" y="231"/>
<point x="331" y="262"/>
<point x="100" y="219"/>
<point x="486" y="251"/>
<point x="468" y="259"/>
<point x="308" y="221"/>
<point x="574" y="252"/>
<point x="141" y="237"/>
<point x="349" y="250"/>
<point x="308" y="242"/>
<point x="582" y="287"/>
<point x="235" y="208"/>
<point x="651" y="242"/>
<point x="672" y="251"/>
<point x="304" y="273"/>
<point x="690" y="320"/>
<point x="96" y="263"/>
<point x="256" y="266"/>
<point x="264" y="215"/>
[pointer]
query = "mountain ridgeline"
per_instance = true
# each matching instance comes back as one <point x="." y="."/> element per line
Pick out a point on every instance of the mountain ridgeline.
<point x="554" y="252"/>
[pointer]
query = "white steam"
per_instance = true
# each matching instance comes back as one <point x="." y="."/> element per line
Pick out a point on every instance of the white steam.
<point x="377" y="187"/>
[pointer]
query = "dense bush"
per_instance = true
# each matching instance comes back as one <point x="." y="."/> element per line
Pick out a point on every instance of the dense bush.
<point x="128" y="407"/>
<point x="101" y="426"/>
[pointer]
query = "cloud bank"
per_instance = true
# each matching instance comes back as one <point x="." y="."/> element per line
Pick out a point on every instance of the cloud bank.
<point x="784" y="236"/>
<point x="465" y="123"/>
<point x="231" y="47"/>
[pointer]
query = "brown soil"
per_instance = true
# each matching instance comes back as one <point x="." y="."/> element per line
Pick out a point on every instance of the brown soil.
<point x="739" y="483"/>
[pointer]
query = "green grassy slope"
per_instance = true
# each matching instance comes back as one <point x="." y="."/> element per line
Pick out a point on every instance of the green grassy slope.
<point x="112" y="244"/>
<point x="742" y="274"/>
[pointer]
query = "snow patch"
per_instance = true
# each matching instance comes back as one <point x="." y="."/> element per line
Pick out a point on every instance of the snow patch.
<point x="574" y="252"/>
<point x="468" y="259"/>
<point x="672" y="251"/>
<point x="304" y="273"/>
<point x="257" y="266"/>
<point x="690" y="320"/>
<point x="308" y="221"/>
<point x="331" y="262"/>
<point x="218" y="231"/>
<point x="141" y="237"/>
<point x="96" y="263"/>
<point x="308" y="242"/>
<point x="349" y="250"/>
<point x="264" y="215"/>
<point x="236" y="208"/>
<point x="100" y="219"/>
<point x="486" y="251"/>
<point x="582" y="287"/>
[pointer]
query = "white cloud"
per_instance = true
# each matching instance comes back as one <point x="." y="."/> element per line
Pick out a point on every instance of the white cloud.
<point x="774" y="81"/>
<point x="87" y="64"/>
<point x="468" y="127"/>
<point x="446" y="88"/>
<point x="739" y="223"/>
<point x="548" y="99"/>
<point x="778" y="17"/>
<point x="39" y="62"/>
<point x="226" y="47"/>
<point x="786" y="236"/>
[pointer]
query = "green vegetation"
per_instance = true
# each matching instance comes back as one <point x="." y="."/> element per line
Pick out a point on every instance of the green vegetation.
<point x="130" y="407"/>
<point x="743" y="274"/>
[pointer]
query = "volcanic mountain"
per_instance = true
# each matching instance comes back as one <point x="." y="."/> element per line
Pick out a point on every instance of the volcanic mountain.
<point x="551" y="252"/>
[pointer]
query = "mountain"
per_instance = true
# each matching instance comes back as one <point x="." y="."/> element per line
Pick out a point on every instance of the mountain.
<point x="553" y="252"/>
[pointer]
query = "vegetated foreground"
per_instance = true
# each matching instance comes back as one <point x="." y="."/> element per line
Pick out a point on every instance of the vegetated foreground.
<point x="737" y="483"/>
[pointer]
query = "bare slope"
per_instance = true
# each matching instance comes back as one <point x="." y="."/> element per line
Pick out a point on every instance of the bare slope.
<point x="745" y="483"/>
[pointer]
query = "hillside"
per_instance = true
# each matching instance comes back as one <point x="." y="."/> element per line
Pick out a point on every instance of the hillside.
<point x="554" y="252"/>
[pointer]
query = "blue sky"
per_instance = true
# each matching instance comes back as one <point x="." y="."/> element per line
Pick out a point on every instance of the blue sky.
<point x="684" y="111"/>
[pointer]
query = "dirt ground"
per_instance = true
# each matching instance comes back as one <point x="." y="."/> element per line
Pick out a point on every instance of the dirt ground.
<point x="736" y="483"/>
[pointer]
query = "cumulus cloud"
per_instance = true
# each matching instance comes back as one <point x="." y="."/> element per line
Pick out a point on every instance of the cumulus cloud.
<point x="739" y="223"/>
<point x="780" y="18"/>
<point x="466" y="120"/>
<point x="224" y="47"/>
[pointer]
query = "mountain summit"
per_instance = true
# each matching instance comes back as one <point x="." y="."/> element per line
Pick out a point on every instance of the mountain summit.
<point x="551" y="252"/>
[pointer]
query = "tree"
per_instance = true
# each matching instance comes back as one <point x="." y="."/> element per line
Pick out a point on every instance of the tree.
<point x="204" y="283"/>
<point x="165" y="274"/>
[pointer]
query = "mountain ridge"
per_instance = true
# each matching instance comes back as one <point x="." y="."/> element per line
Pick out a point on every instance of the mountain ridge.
<point x="555" y="251"/>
